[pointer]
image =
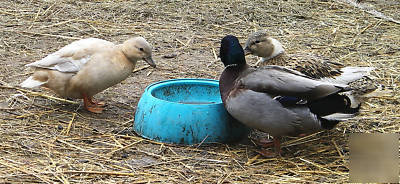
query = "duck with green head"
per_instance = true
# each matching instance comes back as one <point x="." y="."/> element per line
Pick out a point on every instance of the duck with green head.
<point x="277" y="100"/>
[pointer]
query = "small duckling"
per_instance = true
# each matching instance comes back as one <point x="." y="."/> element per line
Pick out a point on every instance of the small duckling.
<point x="87" y="67"/>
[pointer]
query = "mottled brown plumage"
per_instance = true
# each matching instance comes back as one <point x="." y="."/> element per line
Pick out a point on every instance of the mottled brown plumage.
<point x="272" y="52"/>
<point x="261" y="44"/>
<point x="311" y="65"/>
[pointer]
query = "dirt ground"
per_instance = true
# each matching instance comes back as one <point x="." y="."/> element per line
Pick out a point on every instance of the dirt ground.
<point x="46" y="140"/>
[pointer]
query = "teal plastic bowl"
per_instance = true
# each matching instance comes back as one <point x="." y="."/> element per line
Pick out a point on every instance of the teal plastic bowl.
<point x="186" y="111"/>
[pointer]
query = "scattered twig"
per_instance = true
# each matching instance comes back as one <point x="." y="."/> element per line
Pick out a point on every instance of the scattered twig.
<point x="140" y="69"/>
<point x="370" y="10"/>
<point x="39" y="94"/>
<point x="25" y="171"/>
<point x="70" y="124"/>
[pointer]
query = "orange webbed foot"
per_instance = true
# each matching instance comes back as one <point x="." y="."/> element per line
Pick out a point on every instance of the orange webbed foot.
<point x="93" y="102"/>
<point x="90" y="105"/>
<point x="265" y="143"/>
<point x="268" y="143"/>
<point x="269" y="154"/>
<point x="100" y="104"/>
<point x="95" y="109"/>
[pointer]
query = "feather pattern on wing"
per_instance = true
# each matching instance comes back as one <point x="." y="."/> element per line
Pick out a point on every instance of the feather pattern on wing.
<point x="72" y="57"/>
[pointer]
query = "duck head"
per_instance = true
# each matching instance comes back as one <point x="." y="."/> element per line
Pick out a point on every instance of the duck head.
<point x="231" y="52"/>
<point x="138" y="48"/>
<point x="260" y="44"/>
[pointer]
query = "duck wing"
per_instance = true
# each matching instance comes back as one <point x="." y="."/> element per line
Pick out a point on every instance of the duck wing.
<point x="72" y="57"/>
<point x="280" y="81"/>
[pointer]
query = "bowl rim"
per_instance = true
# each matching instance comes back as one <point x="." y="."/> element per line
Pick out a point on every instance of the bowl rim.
<point x="149" y="89"/>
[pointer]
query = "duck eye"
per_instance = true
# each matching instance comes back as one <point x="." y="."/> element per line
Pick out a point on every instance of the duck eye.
<point x="141" y="49"/>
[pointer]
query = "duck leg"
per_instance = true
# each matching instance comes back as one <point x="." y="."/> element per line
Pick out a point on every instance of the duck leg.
<point x="100" y="104"/>
<point x="264" y="142"/>
<point x="277" y="145"/>
<point x="90" y="105"/>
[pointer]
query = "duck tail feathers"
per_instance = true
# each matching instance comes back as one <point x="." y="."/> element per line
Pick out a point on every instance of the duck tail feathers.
<point x="336" y="103"/>
<point x="31" y="83"/>
<point x="353" y="99"/>
<point x="330" y="121"/>
<point x="339" y="116"/>
<point x="349" y="74"/>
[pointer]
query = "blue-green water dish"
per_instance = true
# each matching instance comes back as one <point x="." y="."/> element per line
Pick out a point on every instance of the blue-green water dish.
<point x="186" y="111"/>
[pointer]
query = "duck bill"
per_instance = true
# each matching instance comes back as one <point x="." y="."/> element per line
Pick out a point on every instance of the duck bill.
<point x="150" y="61"/>
<point x="247" y="51"/>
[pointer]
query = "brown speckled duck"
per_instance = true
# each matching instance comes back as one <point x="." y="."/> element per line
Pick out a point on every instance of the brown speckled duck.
<point x="272" y="52"/>
<point x="278" y="100"/>
<point x="87" y="67"/>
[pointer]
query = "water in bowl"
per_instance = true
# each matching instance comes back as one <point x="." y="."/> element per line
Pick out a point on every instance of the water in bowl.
<point x="194" y="102"/>
<point x="189" y="93"/>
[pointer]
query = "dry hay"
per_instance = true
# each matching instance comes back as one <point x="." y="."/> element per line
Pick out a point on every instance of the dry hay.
<point x="45" y="139"/>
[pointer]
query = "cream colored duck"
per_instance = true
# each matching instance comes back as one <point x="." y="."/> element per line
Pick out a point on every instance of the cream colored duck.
<point x="87" y="67"/>
<point x="272" y="52"/>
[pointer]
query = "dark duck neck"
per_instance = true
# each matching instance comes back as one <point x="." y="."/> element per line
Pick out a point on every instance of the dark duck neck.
<point x="232" y="55"/>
